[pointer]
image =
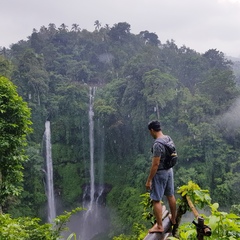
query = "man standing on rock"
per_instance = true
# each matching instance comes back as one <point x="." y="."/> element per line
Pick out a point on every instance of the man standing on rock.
<point x="160" y="181"/>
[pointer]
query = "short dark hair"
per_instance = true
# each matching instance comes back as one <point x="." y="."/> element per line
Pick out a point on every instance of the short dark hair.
<point x="155" y="125"/>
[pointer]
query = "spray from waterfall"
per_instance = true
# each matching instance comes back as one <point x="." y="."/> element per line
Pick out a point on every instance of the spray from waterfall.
<point x="49" y="173"/>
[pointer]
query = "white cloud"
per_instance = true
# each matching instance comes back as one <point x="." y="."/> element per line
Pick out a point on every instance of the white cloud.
<point x="198" y="24"/>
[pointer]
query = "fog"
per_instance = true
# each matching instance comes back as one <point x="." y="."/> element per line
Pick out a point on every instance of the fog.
<point x="229" y="122"/>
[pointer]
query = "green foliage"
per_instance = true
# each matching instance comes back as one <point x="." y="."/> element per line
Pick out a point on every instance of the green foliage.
<point x="186" y="231"/>
<point x="109" y="100"/>
<point x="25" y="228"/>
<point x="139" y="232"/>
<point x="120" y="31"/>
<point x="6" y="67"/>
<point x="138" y="79"/>
<point x="71" y="183"/>
<point x="147" y="208"/>
<point x="156" y="82"/>
<point x="223" y="83"/>
<point x="185" y="175"/>
<point x="223" y="225"/>
<point x="199" y="197"/>
<point x="235" y="209"/>
<point x="141" y="167"/>
<point x="30" y="202"/>
<point x="14" y="126"/>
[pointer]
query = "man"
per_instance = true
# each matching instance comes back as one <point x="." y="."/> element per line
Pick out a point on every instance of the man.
<point x="160" y="181"/>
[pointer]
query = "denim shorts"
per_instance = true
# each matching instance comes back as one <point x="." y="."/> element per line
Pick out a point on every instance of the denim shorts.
<point x="162" y="184"/>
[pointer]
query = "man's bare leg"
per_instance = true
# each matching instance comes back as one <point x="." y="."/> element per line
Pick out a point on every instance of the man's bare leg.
<point x="157" y="208"/>
<point x="173" y="208"/>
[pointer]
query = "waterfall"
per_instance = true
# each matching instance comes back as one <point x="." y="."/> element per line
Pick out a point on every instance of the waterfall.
<point x="49" y="173"/>
<point x="87" y="228"/>
<point x="91" y="141"/>
<point x="94" y="221"/>
<point x="101" y="154"/>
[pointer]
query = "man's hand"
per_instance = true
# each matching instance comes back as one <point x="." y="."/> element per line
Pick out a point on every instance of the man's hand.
<point x="148" y="185"/>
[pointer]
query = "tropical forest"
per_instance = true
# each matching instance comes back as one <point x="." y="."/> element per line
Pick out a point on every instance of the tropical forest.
<point x="75" y="149"/>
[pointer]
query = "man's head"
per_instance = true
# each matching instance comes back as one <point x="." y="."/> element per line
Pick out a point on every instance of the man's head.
<point x="154" y="127"/>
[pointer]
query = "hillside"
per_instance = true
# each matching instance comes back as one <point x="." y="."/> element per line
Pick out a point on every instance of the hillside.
<point x="136" y="78"/>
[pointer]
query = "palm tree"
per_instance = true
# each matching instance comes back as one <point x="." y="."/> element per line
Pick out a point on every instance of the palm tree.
<point x="52" y="28"/>
<point x="75" y="27"/>
<point x="107" y="27"/>
<point x="97" y="25"/>
<point x="63" y="27"/>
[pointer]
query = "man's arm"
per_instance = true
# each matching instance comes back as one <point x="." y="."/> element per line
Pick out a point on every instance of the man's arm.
<point x="153" y="170"/>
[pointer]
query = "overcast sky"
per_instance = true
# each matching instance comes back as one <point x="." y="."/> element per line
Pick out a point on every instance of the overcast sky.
<point x="197" y="24"/>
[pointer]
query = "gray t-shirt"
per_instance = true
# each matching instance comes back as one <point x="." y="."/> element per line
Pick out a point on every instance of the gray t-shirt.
<point x="158" y="150"/>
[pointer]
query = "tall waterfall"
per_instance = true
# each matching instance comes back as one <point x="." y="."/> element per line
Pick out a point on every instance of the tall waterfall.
<point x="94" y="221"/>
<point x="49" y="173"/>
<point x="91" y="141"/>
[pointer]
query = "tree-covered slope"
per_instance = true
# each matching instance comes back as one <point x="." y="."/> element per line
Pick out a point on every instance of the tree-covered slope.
<point x="137" y="79"/>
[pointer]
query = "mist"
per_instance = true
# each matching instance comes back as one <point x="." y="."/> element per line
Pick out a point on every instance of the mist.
<point x="229" y="122"/>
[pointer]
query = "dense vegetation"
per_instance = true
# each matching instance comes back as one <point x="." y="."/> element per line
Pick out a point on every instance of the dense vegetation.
<point x="137" y="79"/>
<point x="219" y="224"/>
<point x="14" y="125"/>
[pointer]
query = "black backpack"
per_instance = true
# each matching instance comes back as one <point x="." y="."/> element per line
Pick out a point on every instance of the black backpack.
<point x="171" y="157"/>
